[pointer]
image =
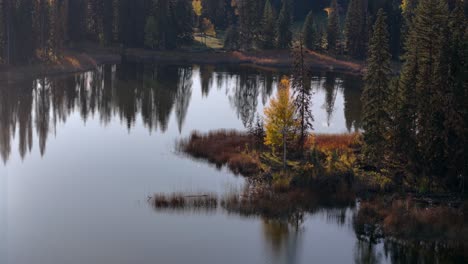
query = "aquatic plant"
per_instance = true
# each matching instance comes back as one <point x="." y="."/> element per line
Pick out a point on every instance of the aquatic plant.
<point x="184" y="201"/>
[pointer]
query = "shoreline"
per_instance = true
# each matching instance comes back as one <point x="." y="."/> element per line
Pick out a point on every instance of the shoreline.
<point x="79" y="60"/>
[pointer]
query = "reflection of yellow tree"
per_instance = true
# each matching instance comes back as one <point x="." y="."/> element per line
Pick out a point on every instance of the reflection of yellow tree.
<point x="285" y="240"/>
<point x="276" y="232"/>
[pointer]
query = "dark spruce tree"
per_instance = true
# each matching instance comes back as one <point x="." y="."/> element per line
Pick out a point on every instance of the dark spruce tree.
<point x="408" y="7"/>
<point x="283" y="28"/>
<point x="376" y="93"/>
<point x="267" y="37"/>
<point x="231" y="38"/>
<point x="424" y="85"/>
<point x="303" y="94"/>
<point x="249" y="22"/>
<point x="309" y="31"/>
<point x="456" y="132"/>
<point x="2" y="33"/>
<point x="108" y="21"/>
<point x="76" y="20"/>
<point x="333" y="27"/>
<point x="356" y="29"/>
<point x="182" y="19"/>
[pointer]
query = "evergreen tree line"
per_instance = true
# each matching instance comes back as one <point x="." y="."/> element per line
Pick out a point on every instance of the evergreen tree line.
<point x="416" y="124"/>
<point x="40" y="29"/>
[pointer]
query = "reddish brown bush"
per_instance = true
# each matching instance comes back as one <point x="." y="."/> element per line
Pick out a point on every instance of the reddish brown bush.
<point x="224" y="148"/>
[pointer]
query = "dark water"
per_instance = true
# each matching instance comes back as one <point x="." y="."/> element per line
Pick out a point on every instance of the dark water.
<point x="81" y="154"/>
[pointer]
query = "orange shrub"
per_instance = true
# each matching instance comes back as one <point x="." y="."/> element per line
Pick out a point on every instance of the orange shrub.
<point x="332" y="141"/>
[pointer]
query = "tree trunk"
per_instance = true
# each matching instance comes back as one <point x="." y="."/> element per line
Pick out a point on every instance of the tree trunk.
<point x="284" y="149"/>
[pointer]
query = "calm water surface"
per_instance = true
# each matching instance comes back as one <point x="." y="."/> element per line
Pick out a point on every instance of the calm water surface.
<point x="80" y="155"/>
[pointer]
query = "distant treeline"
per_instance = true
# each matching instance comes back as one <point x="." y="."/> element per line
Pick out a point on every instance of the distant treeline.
<point x="32" y="30"/>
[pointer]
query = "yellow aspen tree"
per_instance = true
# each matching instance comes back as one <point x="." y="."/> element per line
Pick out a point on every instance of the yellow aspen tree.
<point x="280" y="119"/>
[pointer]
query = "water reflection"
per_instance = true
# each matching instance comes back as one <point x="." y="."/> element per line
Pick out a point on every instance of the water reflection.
<point x="3" y="216"/>
<point x="31" y="110"/>
<point x="288" y="219"/>
<point x="283" y="241"/>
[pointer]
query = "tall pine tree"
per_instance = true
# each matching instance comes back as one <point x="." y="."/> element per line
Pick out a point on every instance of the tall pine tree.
<point x="309" y="31"/>
<point x="456" y="124"/>
<point x="303" y="94"/>
<point x="249" y="21"/>
<point x="376" y="93"/>
<point x="423" y="87"/>
<point x="268" y="27"/>
<point x="2" y="33"/>
<point x="283" y="28"/>
<point x="333" y="27"/>
<point x="356" y="29"/>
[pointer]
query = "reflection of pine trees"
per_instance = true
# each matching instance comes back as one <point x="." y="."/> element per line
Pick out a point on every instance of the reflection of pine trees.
<point x="147" y="90"/>
<point x="352" y="102"/>
<point x="337" y="215"/>
<point x="42" y="112"/>
<point x="206" y="78"/>
<point x="7" y="115"/>
<point x="165" y="92"/>
<point x="245" y="96"/>
<point x="105" y="107"/>
<point x="131" y="91"/>
<point x="25" y="120"/>
<point x="267" y="86"/>
<point x="184" y="94"/>
<point x="330" y="95"/>
<point x="366" y="253"/>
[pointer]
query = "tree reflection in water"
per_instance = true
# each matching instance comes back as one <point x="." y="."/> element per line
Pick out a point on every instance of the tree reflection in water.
<point x="31" y="110"/>
<point x="283" y="217"/>
<point x="283" y="239"/>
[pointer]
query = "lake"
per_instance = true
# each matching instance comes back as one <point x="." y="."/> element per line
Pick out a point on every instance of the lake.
<point x="81" y="154"/>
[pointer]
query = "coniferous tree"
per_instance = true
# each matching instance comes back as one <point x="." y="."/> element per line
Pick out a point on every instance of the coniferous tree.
<point x="283" y="28"/>
<point x="423" y="85"/>
<point x="333" y="27"/>
<point x="2" y="32"/>
<point x="41" y="29"/>
<point x="309" y="31"/>
<point x="231" y="39"/>
<point x="303" y="93"/>
<point x="408" y="8"/>
<point x="376" y="93"/>
<point x="77" y="20"/>
<point x="151" y="33"/>
<point x="181" y="16"/>
<point x="249" y="21"/>
<point x="356" y="29"/>
<point x="107" y="21"/>
<point x="456" y="132"/>
<point x="8" y="13"/>
<point x="95" y="16"/>
<point x="268" y="27"/>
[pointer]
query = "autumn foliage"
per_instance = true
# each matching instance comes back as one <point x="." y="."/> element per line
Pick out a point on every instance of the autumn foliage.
<point x="280" y="116"/>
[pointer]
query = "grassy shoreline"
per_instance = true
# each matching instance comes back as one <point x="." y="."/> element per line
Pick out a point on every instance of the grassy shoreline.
<point x="88" y="57"/>
<point x="386" y="210"/>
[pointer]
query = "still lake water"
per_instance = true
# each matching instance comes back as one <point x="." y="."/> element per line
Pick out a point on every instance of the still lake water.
<point x="80" y="154"/>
